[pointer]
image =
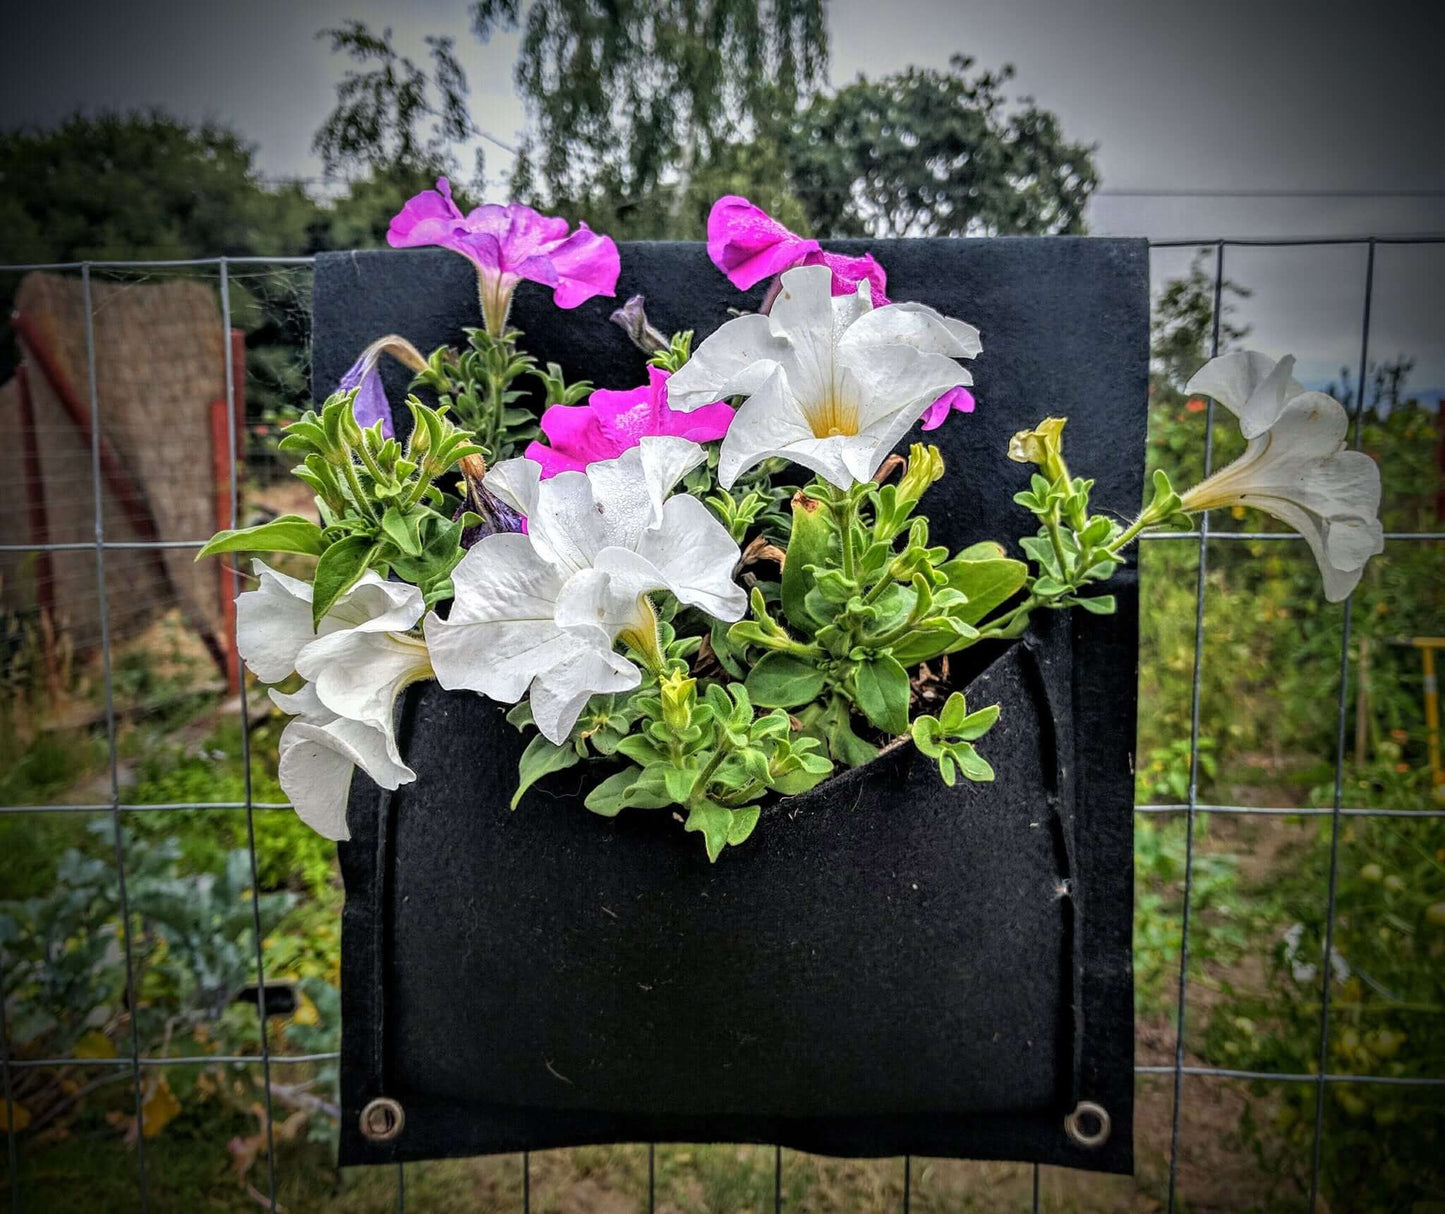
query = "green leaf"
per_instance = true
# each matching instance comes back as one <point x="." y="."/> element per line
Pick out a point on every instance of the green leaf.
<point x="289" y="533"/>
<point x="400" y="529"/>
<point x="610" y="797"/>
<point x="742" y="824"/>
<point x="808" y="545"/>
<point x="976" y="724"/>
<point x="337" y="572"/>
<point x="781" y="680"/>
<point x="955" y="711"/>
<point x="883" y="693"/>
<point x="986" y="583"/>
<point x="715" y="822"/>
<point x="1103" y="604"/>
<point x="678" y="781"/>
<point x="541" y="758"/>
<point x="973" y="765"/>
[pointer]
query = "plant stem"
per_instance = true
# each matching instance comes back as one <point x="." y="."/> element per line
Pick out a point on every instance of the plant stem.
<point x="699" y="787"/>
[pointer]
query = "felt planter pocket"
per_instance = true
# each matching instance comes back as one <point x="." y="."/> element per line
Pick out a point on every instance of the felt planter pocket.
<point x="887" y="965"/>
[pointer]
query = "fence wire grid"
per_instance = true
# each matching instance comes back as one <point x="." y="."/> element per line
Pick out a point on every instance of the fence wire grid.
<point x="136" y="1064"/>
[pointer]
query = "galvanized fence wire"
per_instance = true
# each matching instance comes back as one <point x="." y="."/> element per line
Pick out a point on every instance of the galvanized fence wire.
<point x="115" y="807"/>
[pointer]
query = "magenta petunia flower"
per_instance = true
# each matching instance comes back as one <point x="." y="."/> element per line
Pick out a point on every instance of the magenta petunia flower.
<point x="958" y="400"/>
<point x="610" y="423"/>
<point x="748" y="245"/>
<point x="507" y="244"/>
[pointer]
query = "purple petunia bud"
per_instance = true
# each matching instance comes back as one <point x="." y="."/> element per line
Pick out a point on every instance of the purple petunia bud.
<point x="632" y="317"/>
<point x="497" y="516"/>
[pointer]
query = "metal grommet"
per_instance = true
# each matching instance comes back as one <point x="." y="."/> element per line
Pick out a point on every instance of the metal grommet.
<point x="382" y="1119"/>
<point x="1087" y="1114"/>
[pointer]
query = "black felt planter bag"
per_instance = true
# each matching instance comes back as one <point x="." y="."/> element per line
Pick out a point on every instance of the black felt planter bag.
<point x="887" y="966"/>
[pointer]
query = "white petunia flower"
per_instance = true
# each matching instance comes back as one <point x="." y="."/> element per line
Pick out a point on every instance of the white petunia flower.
<point x="319" y="751"/>
<point x="356" y="662"/>
<point x="833" y="383"/>
<point x="1295" y="466"/>
<point x="544" y="610"/>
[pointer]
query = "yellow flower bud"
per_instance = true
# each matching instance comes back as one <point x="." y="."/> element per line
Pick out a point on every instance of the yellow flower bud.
<point x="679" y="694"/>
<point x="1044" y="446"/>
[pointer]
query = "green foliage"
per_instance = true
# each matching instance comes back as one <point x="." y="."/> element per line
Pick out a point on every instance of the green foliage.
<point x="636" y="108"/>
<point x="949" y="737"/>
<point x="379" y="506"/>
<point x="390" y="116"/>
<point x="937" y="153"/>
<point x="863" y="597"/>
<point x="712" y="757"/>
<point x="65" y="968"/>
<point x="479" y="386"/>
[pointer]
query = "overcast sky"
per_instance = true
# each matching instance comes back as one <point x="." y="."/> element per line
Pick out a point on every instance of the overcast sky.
<point x="1326" y="102"/>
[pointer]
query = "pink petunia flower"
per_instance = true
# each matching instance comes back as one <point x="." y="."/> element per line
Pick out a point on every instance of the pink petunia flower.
<point x="507" y="244"/>
<point x="748" y="245"/>
<point x="610" y="423"/>
<point x="958" y="400"/>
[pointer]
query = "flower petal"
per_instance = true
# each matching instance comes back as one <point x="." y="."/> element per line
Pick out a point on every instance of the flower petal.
<point x="586" y="264"/>
<point x="770" y="422"/>
<point x="848" y="272"/>
<point x="315" y="768"/>
<point x="430" y="217"/>
<point x="501" y="631"/>
<point x="358" y="675"/>
<point x="734" y="361"/>
<point x="955" y="399"/>
<point x="516" y="482"/>
<point x="748" y="245"/>
<point x="374" y="604"/>
<point x="695" y="556"/>
<point x="916" y="325"/>
<point x="273" y="623"/>
<point x="561" y="693"/>
<point x="1251" y="385"/>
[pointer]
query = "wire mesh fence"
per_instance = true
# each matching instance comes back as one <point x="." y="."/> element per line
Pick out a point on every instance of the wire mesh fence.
<point x="93" y="527"/>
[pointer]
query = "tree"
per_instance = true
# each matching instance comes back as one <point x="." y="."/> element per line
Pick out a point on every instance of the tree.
<point x="640" y="106"/>
<point x="141" y="185"/>
<point x="930" y="153"/>
<point x="642" y="113"/>
<point x="392" y="118"/>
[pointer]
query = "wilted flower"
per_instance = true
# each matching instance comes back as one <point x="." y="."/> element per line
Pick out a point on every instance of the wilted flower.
<point x="544" y="610"/>
<point x="632" y="318"/>
<point x="610" y="423"/>
<point x="497" y="517"/>
<point x="370" y="405"/>
<point x="507" y="244"/>
<point x="748" y="245"/>
<point x="356" y="663"/>
<point x="1295" y="465"/>
<point x="832" y="383"/>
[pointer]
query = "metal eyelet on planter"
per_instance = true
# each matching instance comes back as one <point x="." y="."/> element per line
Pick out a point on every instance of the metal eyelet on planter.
<point x="382" y="1119"/>
<point x="1085" y="1113"/>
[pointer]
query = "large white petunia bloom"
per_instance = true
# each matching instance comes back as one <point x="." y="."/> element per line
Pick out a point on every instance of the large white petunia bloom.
<point x="1296" y="466"/>
<point x="544" y="610"/>
<point x="833" y="383"/>
<point x="356" y="662"/>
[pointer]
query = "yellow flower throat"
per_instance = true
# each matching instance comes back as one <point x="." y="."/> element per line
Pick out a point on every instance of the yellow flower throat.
<point x="832" y="416"/>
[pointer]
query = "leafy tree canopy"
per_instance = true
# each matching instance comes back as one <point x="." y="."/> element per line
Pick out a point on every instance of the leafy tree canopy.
<point x="642" y="113"/>
<point x="930" y="153"/>
<point x="142" y="185"/>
